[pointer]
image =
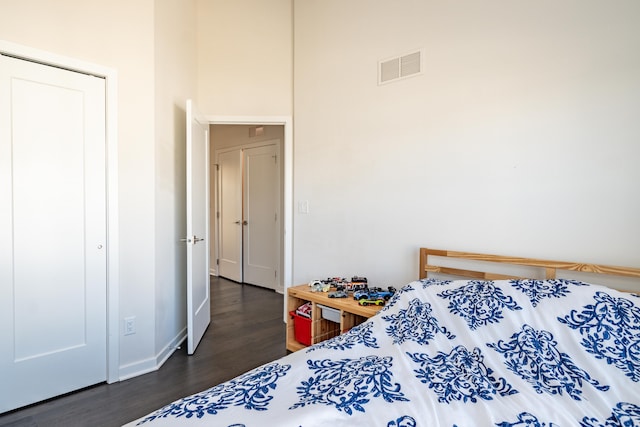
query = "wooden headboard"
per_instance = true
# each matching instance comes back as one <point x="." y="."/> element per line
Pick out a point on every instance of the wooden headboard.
<point x="480" y="270"/>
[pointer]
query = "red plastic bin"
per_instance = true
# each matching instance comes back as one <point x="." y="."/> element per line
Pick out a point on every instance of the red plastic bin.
<point x="301" y="328"/>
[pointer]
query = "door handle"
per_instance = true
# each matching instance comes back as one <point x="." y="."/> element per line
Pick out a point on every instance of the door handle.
<point x="189" y="240"/>
<point x="238" y="222"/>
<point x="245" y="222"/>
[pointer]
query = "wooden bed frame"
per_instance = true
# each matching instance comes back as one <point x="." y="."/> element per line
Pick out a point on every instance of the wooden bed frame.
<point x="482" y="263"/>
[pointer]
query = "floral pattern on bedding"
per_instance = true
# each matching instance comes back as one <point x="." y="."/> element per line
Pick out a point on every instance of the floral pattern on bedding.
<point x="624" y="414"/>
<point x="507" y="353"/>
<point x="360" y="334"/>
<point x="460" y="375"/>
<point x="534" y="356"/>
<point x="414" y="323"/>
<point x="349" y="384"/>
<point x="251" y="391"/>
<point x="403" y="421"/>
<point x="611" y="331"/>
<point x="479" y="303"/>
<point x="537" y="290"/>
<point x="525" y="419"/>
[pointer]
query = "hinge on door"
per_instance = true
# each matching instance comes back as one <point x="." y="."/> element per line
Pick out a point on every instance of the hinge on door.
<point x="275" y="159"/>
<point x="217" y="261"/>
<point x="218" y="214"/>
<point x="217" y="167"/>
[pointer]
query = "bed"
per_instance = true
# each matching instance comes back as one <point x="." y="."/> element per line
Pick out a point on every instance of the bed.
<point x="461" y="346"/>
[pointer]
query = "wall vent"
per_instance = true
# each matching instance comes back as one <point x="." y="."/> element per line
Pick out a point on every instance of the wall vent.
<point x="400" y="67"/>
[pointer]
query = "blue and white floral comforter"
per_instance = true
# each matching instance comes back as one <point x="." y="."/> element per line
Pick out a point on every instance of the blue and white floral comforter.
<point x="450" y="353"/>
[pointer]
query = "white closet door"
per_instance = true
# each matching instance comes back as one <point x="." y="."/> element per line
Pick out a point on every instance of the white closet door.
<point x="52" y="232"/>
<point x="261" y="205"/>
<point x="230" y="221"/>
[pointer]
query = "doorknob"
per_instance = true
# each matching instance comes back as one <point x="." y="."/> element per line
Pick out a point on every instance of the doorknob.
<point x="238" y="222"/>
<point x="197" y="239"/>
<point x="186" y="239"/>
<point x="245" y="222"/>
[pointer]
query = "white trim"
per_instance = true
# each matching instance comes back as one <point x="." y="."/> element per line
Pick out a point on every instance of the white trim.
<point x="111" y="111"/>
<point x="152" y="364"/>
<point x="287" y="215"/>
<point x="248" y="146"/>
<point x="48" y="58"/>
<point x="113" y="256"/>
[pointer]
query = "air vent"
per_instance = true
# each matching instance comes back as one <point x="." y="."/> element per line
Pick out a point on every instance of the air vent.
<point x="389" y="70"/>
<point x="400" y="67"/>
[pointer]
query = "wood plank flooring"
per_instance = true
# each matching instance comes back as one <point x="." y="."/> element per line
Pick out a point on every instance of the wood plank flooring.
<point x="246" y="331"/>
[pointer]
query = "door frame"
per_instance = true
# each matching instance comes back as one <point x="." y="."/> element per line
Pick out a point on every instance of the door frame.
<point x="216" y="204"/>
<point x="111" y="139"/>
<point x="286" y="251"/>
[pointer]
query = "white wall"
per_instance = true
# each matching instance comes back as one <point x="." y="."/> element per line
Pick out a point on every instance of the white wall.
<point x="521" y="137"/>
<point x="175" y="78"/>
<point x="245" y="57"/>
<point x="117" y="34"/>
<point x="152" y="46"/>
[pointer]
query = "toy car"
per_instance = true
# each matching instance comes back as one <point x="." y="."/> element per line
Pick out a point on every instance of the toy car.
<point x="357" y="286"/>
<point x="337" y="294"/>
<point x="319" y="286"/>
<point x="374" y="293"/>
<point x="352" y="287"/>
<point x="361" y="294"/>
<point x="336" y="281"/>
<point x="383" y="294"/>
<point x="367" y="301"/>
<point x="358" y="279"/>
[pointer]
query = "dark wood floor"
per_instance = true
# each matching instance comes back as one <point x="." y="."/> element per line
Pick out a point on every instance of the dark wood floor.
<point x="247" y="330"/>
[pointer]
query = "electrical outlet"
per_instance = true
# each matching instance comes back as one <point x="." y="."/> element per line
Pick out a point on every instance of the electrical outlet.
<point x="130" y="325"/>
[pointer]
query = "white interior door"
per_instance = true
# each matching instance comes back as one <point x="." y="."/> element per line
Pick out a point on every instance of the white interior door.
<point x="230" y="214"/>
<point x="261" y="241"/>
<point x="197" y="240"/>
<point x="52" y="232"/>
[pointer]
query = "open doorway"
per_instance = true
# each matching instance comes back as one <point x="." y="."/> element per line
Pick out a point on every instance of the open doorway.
<point x="248" y="203"/>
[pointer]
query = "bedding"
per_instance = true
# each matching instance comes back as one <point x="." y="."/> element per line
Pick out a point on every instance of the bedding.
<point x="449" y="353"/>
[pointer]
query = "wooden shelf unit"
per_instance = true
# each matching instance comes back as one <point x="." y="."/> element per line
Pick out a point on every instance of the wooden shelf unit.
<point x="351" y="314"/>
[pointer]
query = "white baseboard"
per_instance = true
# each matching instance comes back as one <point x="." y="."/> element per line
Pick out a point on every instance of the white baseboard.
<point x="153" y="363"/>
<point x="168" y="350"/>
